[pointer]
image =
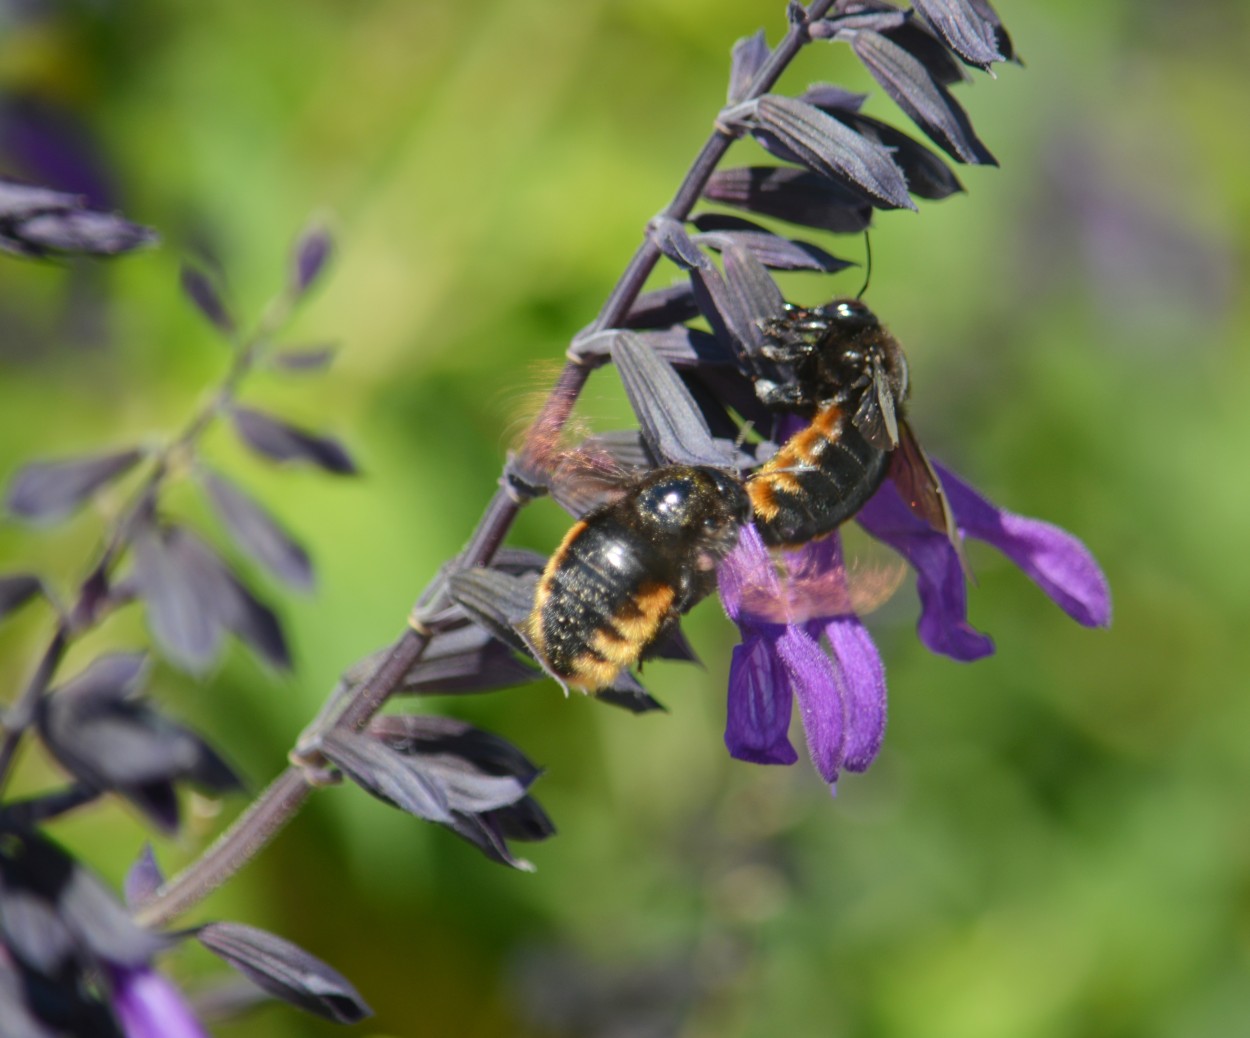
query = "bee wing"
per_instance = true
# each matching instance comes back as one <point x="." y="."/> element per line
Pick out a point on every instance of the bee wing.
<point x="913" y="475"/>
<point x="871" y="585"/>
<point x="876" y="416"/>
<point x="818" y="584"/>
<point x="587" y="478"/>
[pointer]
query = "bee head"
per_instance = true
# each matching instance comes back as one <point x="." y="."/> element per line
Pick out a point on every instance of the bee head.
<point x="693" y="503"/>
<point x="850" y="315"/>
<point x="855" y="343"/>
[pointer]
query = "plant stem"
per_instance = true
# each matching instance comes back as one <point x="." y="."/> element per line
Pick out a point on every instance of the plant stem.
<point x="273" y="808"/>
<point x="89" y="608"/>
<point x="19" y="716"/>
<point x="252" y="830"/>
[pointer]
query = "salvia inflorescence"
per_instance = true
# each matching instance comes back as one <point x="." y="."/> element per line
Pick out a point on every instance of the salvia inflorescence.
<point x="762" y="428"/>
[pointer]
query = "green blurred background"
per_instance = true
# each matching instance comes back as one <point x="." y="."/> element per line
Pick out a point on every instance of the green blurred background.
<point x="1054" y="841"/>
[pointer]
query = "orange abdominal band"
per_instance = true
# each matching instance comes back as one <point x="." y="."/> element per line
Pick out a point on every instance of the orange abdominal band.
<point x="621" y="640"/>
<point x="801" y="451"/>
<point x="614" y="645"/>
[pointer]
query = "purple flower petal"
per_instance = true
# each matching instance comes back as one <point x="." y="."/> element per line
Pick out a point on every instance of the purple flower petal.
<point x="842" y="694"/>
<point x="815" y="683"/>
<point x="746" y="575"/>
<point x="842" y="699"/>
<point x="820" y="564"/>
<point x="943" y="625"/>
<point x="1052" y="558"/>
<point x="759" y="705"/>
<point x="862" y="678"/>
<point x="149" y="1006"/>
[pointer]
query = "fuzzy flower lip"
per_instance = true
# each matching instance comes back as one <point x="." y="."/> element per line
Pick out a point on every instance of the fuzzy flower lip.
<point x="1051" y="557"/>
<point x="760" y="700"/>
<point x="841" y="695"/>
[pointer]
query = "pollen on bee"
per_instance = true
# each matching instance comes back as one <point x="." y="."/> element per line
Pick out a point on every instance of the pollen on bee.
<point x="645" y="611"/>
<point x="589" y="673"/>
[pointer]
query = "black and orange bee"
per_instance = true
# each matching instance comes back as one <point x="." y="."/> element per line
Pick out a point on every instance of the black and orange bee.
<point x="627" y="570"/>
<point x="847" y="375"/>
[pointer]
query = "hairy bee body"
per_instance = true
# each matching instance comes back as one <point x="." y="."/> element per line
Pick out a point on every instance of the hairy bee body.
<point x="848" y="376"/>
<point x="816" y="481"/>
<point x="624" y="573"/>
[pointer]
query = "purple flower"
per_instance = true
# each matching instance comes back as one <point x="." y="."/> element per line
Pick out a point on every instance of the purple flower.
<point x="841" y="692"/>
<point x="1052" y="558"/>
<point x="149" y="1006"/>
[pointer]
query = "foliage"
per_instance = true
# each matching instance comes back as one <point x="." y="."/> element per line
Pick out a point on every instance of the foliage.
<point x="1025" y="773"/>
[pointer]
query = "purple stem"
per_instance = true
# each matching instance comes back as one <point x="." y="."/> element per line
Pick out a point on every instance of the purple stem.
<point x="95" y="599"/>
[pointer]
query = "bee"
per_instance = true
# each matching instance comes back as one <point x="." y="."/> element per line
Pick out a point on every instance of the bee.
<point x="849" y="380"/>
<point x="627" y="570"/>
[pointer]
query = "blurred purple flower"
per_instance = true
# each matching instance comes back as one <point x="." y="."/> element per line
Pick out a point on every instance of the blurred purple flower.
<point x="841" y="693"/>
<point x="149" y="1006"/>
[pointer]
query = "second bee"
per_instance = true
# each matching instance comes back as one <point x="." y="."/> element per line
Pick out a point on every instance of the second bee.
<point x="627" y="571"/>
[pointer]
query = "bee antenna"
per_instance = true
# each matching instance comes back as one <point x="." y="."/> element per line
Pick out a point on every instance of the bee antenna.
<point x="867" y="264"/>
<point x="743" y="433"/>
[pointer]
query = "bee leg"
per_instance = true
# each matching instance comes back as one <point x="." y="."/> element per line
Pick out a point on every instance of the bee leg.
<point x="781" y="395"/>
<point x="687" y="589"/>
<point x="787" y="351"/>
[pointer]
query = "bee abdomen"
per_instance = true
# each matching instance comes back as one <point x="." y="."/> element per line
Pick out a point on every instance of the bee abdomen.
<point x="816" y="481"/>
<point x="596" y="610"/>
